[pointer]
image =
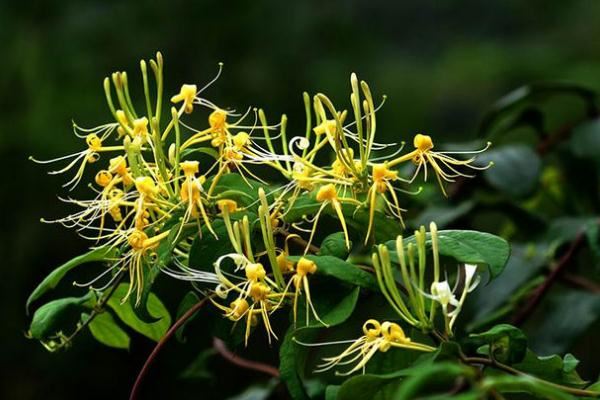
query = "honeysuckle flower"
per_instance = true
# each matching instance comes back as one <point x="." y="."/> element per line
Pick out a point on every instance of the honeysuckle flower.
<point x="327" y="195"/>
<point x="442" y="162"/>
<point x="186" y="94"/>
<point x="192" y="195"/>
<point x="377" y="337"/>
<point x="82" y="158"/>
<point x="257" y="290"/>
<point x="299" y="280"/>
<point x="382" y="178"/>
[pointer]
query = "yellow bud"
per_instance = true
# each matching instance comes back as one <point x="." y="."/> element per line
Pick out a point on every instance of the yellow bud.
<point x="423" y="142"/>
<point x="140" y="127"/>
<point x="217" y="119"/>
<point x="187" y="95"/>
<point x="136" y="239"/>
<point x="103" y="178"/>
<point x="238" y="308"/>
<point x="122" y="118"/>
<point x="259" y="291"/>
<point x="146" y="186"/>
<point x="284" y="264"/>
<point x="372" y="329"/>
<point x="189" y="168"/>
<point x="93" y="141"/>
<point x="255" y="271"/>
<point x="227" y="204"/>
<point x="327" y="192"/>
<point x="241" y="140"/>
<point x="305" y="267"/>
<point x="329" y="127"/>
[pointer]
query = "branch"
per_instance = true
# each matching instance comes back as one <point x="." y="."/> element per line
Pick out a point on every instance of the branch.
<point x="580" y="282"/>
<point x="540" y="291"/>
<point x="227" y="354"/>
<point x="138" y="381"/>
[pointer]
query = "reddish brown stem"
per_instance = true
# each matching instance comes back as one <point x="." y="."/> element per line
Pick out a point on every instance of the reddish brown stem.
<point x="541" y="290"/>
<point x="227" y="354"/>
<point x="144" y="371"/>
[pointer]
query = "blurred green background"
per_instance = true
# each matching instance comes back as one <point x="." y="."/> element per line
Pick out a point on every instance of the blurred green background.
<point x="441" y="63"/>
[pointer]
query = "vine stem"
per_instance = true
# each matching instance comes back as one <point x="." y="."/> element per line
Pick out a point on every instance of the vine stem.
<point x="541" y="290"/>
<point x="233" y="358"/>
<point x="146" y="367"/>
<point x="503" y="367"/>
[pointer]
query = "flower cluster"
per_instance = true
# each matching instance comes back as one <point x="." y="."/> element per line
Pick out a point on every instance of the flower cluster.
<point x="155" y="190"/>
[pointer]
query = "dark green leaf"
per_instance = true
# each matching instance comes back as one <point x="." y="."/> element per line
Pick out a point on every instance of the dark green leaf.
<point x="140" y="308"/>
<point x="516" y="170"/>
<point x="468" y="247"/>
<point x="154" y="330"/>
<point x="106" y="331"/>
<point x="293" y="356"/>
<point x="507" y="343"/>
<point x="342" y="270"/>
<point x="407" y="383"/>
<point x="524" y="384"/>
<point x="585" y="139"/>
<point x="552" y="368"/>
<point x="334" y="245"/>
<point x="50" y="282"/>
<point x="442" y="215"/>
<point x="49" y="318"/>
<point x="567" y="316"/>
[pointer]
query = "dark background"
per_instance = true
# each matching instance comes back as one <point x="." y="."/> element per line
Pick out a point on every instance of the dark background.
<point x="440" y="62"/>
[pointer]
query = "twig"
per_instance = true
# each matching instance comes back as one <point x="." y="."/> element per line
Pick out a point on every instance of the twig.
<point x="541" y="290"/>
<point x="138" y="381"/>
<point x="227" y="354"/>
<point x="580" y="282"/>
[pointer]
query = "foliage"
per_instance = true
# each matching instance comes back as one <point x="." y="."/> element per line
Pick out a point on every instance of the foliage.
<point x="235" y="209"/>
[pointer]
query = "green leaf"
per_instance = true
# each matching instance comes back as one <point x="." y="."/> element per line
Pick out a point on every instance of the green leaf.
<point x="343" y="271"/>
<point x="552" y="368"/>
<point x="49" y="318"/>
<point x="508" y="106"/>
<point x="126" y="313"/>
<point x="409" y="383"/>
<point x="105" y="329"/>
<point x="442" y="214"/>
<point x="356" y="218"/>
<point x="206" y="249"/>
<point x="52" y="280"/>
<point x="141" y="308"/>
<point x="468" y="247"/>
<point x="331" y="392"/>
<point x="524" y="263"/>
<point x="516" y="170"/>
<point x="507" y="343"/>
<point x="524" y="384"/>
<point x="567" y="315"/>
<point x="233" y="186"/>
<point x="585" y="139"/>
<point x="334" y="245"/>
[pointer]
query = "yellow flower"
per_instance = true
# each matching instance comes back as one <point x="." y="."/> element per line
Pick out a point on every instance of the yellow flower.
<point x="326" y="195"/>
<point x="382" y="178"/>
<point x="376" y="337"/>
<point x="442" y="163"/>
<point x="187" y="94"/>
